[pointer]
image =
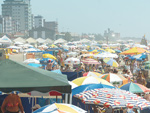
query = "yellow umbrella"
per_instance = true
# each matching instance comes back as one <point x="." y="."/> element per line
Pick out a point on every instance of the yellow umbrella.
<point x="90" y="80"/>
<point x="94" y="74"/>
<point x="94" y="50"/>
<point x="49" y="56"/>
<point x="60" y="108"/>
<point x="110" y="50"/>
<point x="134" y="51"/>
<point x="53" y="45"/>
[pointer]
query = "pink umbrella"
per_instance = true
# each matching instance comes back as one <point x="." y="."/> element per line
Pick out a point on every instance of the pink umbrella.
<point x="90" y="61"/>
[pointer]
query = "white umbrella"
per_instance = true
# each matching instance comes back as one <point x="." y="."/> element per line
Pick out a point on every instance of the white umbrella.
<point x="73" y="85"/>
<point x="18" y="43"/>
<point x="106" y="55"/>
<point x="72" y="61"/>
<point x="14" y="47"/>
<point x="72" y="54"/>
<point x="31" y="61"/>
<point x="31" y="50"/>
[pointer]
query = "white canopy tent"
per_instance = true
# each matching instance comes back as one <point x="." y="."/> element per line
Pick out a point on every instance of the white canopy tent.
<point x="49" y="41"/>
<point x="40" y="40"/>
<point x="60" y="41"/>
<point x="19" y="39"/>
<point x="31" y="40"/>
<point x="5" y="40"/>
<point x="85" y="40"/>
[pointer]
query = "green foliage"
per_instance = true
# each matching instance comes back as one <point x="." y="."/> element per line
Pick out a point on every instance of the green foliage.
<point x="68" y="36"/>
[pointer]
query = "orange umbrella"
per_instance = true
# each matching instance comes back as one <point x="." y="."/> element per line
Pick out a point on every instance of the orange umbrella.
<point x="134" y="51"/>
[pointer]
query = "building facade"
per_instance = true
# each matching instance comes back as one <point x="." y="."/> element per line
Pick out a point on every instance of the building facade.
<point x="41" y="32"/>
<point x="20" y="12"/>
<point x="52" y="25"/>
<point x="38" y="21"/>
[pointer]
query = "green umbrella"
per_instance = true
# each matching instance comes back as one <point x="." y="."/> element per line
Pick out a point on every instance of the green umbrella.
<point x="126" y="49"/>
<point x="133" y="87"/>
<point x="16" y="76"/>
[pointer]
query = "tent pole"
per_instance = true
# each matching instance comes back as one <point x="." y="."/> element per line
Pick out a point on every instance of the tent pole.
<point x="70" y="102"/>
<point x="66" y="98"/>
<point x="32" y="103"/>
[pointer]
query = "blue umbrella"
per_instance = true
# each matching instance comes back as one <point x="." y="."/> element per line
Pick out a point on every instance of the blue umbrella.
<point x="35" y="65"/>
<point x="142" y="56"/>
<point x="117" y="51"/>
<point x="87" y="87"/>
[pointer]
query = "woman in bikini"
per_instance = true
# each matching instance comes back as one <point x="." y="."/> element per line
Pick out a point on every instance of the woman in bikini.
<point x="12" y="104"/>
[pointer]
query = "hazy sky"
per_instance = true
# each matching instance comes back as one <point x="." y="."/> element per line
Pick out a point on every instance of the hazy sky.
<point x="129" y="17"/>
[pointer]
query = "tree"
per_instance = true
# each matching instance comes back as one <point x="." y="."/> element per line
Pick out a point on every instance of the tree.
<point x="68" y="36"/>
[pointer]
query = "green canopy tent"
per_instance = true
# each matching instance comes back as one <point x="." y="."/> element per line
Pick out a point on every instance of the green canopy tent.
<point x="15" y="76"/>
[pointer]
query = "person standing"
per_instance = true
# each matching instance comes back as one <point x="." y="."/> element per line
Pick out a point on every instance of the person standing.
<point x="12" y="104"/>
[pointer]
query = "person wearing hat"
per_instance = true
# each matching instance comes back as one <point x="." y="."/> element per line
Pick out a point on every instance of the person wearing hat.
<point x="36" y="106"/>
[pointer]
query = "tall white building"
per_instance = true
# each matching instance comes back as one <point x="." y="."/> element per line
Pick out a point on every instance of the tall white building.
<point x="20" y="12"/>
<point x="38" y="21"/>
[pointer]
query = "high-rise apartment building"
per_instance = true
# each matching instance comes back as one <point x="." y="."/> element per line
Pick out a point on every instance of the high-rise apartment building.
<point x="52" y="25"/>
<point x="20" y="12"/>
<point x="38" y="21"/>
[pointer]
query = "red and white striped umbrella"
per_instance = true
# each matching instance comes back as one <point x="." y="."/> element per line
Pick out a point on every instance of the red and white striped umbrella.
<point x="90" y="61"/>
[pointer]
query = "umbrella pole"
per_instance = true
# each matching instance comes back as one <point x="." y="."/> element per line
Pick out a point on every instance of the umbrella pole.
<point x="56" y="99"/>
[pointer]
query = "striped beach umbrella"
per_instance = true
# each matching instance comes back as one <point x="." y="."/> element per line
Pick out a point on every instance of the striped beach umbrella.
<point x="72" y="61"/>
<point x="87" y="87"/>
<point x="60" y="108"/>
<point x="115" y="78"/>
<point x="134" y="88"/>
<point x="94" y="74"/>
<point x="116" y="98"/>
<point x="90" y="80"/>
<point x="90" y="61"/>
<point x="111" y="62"/>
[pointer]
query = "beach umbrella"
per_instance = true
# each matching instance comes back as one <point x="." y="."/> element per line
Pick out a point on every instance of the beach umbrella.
<point x="72" y="61"/>
<point x="134" y="51"/>
<point x="126" y="49"/>
<point x="84" y="50"/>
<point x="116" y="98"/>
<point x="27" y="61"/>
<point x="94" y="74"/>
<point x="114" y="78"/>
<point x="106" y="55"/>
<point x="134" y="88"/>
<point x="60" y="108"/>
<point x="49" y="56"/>
<point x="90" y="80"/>
<point x="143" y="56"/>
<point x="87" y="55"/>
<point x="87" y="87"/>
<point x="147" y="66"/>
<point x="117" y="51"/>
<point x="146" y="63"/>
<point x="32" y="50"/>
<point x="90" y="61"/>
<point x="72" y="54"/>
<point x="110" y="50"/>
<point x="73" y="85"/>
<point x="35" y="65"/>
<point x="53" y="46"/>
<point x="111" y="62"/>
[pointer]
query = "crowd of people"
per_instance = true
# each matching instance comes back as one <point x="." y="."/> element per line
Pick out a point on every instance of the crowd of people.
<point x="131" y="69"/>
